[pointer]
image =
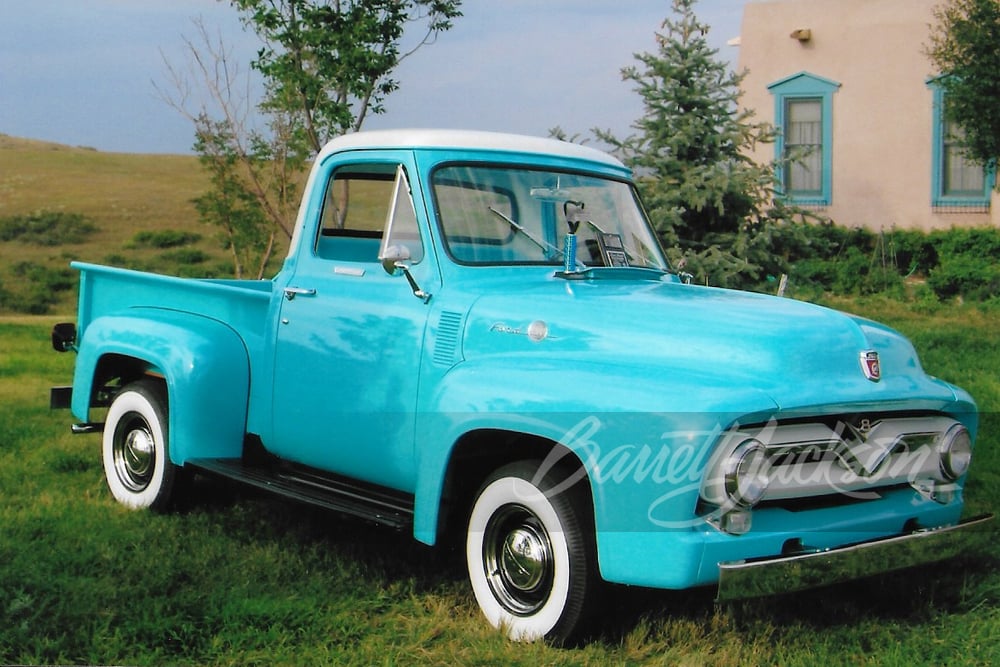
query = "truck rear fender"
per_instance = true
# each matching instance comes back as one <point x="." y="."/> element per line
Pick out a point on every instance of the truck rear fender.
<point x="204" y="363"/>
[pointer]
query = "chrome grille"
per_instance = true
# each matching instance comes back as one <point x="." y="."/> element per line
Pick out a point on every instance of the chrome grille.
<point x="811" y="459"/>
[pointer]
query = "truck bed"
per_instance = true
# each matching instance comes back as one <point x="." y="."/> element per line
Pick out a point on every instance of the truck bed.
<point x="242" y="304"/>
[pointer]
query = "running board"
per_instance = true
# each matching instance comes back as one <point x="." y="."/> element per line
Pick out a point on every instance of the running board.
<point x="372" y="503"/>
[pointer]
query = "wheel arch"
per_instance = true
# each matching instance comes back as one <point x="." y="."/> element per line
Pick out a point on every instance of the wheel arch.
<point x="478" y="453"/>
<point x="203" y="363"/>
<point x="124" y="369"/>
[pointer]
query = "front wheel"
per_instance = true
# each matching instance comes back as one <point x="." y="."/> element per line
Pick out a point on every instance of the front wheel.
<point x="529" y="555"/>
<point x="137" y="464"/>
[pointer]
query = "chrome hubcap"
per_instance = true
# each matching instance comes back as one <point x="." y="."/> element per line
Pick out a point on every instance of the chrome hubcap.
<point x="517" y="555"/>
<point x="134" y="453"/>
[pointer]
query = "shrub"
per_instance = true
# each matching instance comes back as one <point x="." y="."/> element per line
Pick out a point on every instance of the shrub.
<point x="852" y="262"/>
<point x="966" y="275"/>
<point x="47" y="228"/>
<point x="124" y="262"/>
<point x="844" y="261"/>
<point x="37" y="288"/>
<point x="164" y="238"/>
<point x="914" y="252"/>
<point x="185" y="256"/>
<point x="967" y="263"/>
<point x="53" y="280"/>
<point x="979" y="241"/>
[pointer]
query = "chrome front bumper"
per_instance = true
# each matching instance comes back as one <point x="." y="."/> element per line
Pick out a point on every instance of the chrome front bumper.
<point x="784" y="574"/>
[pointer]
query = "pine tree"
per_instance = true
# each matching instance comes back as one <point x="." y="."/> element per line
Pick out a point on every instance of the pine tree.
<point x="711" y="204"/>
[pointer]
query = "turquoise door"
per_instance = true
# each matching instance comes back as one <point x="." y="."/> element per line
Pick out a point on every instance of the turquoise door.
<point x="350" y="336"/>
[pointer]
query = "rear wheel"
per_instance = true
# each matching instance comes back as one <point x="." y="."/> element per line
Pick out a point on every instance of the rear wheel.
<point x="529" y="555"/>
<point x="137" y="463"/>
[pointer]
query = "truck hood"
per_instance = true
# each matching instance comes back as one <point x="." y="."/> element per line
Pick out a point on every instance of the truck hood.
<point x="681" y="337"/>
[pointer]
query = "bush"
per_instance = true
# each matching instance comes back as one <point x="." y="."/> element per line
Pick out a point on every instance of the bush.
<point x="853" y="262"/>
<point x="967" y="263"/>
<point x="37" y="288"/>
<point x="977" y="241"/>
<point x="164" y="238"/>
<point x="914" y="251"/>
<point x="969" y="276"/>
<point x="47" y="228"/>
<point x="126" y="262"/>
<point x="185" y="256"/>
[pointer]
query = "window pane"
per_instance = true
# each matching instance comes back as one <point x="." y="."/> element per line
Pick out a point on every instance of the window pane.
<point x="355" y="209"/>
<point x="357" y="199"/>
<point x="960" y="175"/>
<point x="804" y="141"/>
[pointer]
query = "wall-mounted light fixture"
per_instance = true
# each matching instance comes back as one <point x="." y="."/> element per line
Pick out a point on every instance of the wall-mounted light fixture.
<point x="802" y="34"/>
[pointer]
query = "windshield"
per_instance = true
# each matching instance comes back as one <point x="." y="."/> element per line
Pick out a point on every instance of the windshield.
<point x="506" y="215"/>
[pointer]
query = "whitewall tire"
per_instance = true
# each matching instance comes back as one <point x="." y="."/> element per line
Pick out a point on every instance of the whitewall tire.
<point x="137" y="464"/>
<point x="529" y="555"/>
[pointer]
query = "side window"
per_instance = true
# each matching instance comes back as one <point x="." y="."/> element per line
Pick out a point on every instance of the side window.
<point x="803" y="112"/>
<point x="357" y="205"/>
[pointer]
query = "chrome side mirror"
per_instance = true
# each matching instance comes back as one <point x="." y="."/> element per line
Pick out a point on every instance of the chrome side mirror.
<point x="394" y="258"/>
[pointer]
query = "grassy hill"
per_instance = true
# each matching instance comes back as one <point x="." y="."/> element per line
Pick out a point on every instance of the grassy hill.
<point x="120" y="196"/>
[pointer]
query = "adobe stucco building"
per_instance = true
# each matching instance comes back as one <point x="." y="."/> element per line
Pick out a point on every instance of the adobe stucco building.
<point x="850" y="86"/>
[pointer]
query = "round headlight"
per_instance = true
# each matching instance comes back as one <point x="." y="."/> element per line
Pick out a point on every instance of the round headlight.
<point x="745" y="473"/>
<point x="956" y="452"/>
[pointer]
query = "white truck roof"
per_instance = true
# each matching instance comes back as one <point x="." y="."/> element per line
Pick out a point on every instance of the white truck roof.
<point x="465" y="139"/>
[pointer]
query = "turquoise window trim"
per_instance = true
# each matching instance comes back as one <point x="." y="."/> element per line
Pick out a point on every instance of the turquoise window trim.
<point x="939" y="199"/>
<point x="806" y="86"/>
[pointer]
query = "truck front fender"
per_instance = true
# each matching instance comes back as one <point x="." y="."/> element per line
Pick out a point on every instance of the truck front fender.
<point x="204" y="363"/>
<point x="633" y="431"/>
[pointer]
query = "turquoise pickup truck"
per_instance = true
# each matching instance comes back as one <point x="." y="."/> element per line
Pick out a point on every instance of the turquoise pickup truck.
<point x="477" y="334"/>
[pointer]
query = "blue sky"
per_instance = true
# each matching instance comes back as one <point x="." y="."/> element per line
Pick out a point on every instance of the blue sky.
<point x="84" y="72"/>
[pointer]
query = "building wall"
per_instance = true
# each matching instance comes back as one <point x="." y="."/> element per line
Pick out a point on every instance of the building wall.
<point x="882" y="112"/>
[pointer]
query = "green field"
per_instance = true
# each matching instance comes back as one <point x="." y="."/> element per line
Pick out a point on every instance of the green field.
<point x="241" y="579"/>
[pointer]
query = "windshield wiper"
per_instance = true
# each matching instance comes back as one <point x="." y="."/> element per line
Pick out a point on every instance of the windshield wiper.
<point x="545" y="246"/>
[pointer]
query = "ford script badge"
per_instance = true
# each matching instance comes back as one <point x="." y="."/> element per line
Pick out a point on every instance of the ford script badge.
<point x="870" y="365"/>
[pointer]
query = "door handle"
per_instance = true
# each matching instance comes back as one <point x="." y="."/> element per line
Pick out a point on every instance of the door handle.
<point x="292" y="292"/>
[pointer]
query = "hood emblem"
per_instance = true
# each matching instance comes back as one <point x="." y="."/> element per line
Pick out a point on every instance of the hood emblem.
<point x="871" y="366"/>
<point x="537" y="331"/>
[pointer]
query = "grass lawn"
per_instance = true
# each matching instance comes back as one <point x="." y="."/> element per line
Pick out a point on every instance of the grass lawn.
<point x="244" y="579"/>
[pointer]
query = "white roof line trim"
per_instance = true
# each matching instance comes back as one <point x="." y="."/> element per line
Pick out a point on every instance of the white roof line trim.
<point x="465" y="139"/>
